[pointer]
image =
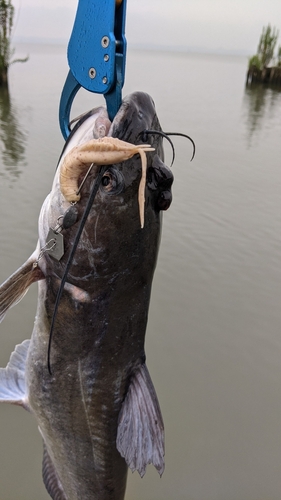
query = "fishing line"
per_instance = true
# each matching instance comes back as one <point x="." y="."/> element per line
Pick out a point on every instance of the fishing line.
<point x="85" y="178"/>
<point x="71" y="255"/>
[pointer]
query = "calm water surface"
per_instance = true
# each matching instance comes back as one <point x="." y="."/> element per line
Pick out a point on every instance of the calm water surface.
<point x="213" y="339"/>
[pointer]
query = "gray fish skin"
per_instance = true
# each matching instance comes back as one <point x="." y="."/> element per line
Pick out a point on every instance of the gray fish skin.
<point x="94" y="397"/>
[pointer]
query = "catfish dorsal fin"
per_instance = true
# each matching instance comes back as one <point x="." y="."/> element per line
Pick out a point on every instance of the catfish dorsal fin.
<point x="12" y="378"/>
<point x="140" y="434"/>
<point x="15" y="287"/>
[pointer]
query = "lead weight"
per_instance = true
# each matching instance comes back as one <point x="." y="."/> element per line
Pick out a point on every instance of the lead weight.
<point x="70" y="217"/>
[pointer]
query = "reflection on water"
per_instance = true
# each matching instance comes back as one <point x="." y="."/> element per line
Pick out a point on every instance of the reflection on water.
<point x="262" y="105"/>
<point x="12" y="136"/>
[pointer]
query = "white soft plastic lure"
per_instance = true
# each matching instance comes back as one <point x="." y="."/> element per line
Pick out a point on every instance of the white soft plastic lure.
<point x="104" y="151"/>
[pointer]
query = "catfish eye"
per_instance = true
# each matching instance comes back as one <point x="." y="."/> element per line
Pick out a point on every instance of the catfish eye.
<point x="112" y="181"/>
<point x="106" y="179"/>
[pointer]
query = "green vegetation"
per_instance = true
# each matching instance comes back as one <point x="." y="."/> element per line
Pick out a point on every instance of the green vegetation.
<point x="266" y="48"/>
<point x="255" y="61"/>
<point x="6" y="51"/>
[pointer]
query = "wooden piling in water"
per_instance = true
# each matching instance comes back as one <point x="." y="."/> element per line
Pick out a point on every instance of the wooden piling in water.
<point x="268" y="76"/>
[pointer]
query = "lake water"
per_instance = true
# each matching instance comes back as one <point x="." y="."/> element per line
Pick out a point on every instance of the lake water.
<point x="213" y="340"/>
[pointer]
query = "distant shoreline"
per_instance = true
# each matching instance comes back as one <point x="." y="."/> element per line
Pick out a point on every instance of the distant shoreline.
<point x="142" y="47"/>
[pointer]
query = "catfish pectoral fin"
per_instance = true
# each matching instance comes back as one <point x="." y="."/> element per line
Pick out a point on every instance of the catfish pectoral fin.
<point x="50" y="477"/>
<point x="140" y="434"/>
<point x="15" y="287"/>
<point x="12" y="378"/>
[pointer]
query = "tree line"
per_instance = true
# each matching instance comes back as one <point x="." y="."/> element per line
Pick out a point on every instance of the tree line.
<point x="7" y="12"/>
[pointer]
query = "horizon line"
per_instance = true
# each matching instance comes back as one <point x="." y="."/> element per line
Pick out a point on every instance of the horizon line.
<point x="142" y="46"/>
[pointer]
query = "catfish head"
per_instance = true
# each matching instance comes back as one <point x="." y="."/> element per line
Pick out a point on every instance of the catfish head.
<point x="123" y="227"/>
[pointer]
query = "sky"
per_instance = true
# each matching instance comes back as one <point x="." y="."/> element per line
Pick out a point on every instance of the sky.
<point x="231" y="26"/>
